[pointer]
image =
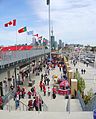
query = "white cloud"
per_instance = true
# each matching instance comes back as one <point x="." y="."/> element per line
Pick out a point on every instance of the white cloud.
<point x="73" y="20"/>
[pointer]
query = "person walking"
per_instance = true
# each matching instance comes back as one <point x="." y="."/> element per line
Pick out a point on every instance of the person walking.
<point x="54" y="93"/>
<point x="29" y="94"/>
<point x="41" y="85"/>
<point x="17" y="101"/>
<point x="41" y="76"/>
<point x="35" y="103"/>
<point x="40" y="104"/>
<point x="45" y="79"/>
<point x="48" y="80"/>
<point x="30" y="105"/>
<point x="84" y="71"/>
<point x="44" y="89"/>
<point x="1" y="103"/>
<point x="49" y="91"/>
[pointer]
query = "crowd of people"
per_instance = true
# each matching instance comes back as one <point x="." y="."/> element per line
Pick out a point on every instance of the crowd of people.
<point x="35" y="101"/>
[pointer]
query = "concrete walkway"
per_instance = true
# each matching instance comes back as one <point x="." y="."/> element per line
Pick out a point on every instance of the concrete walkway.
<point x="75" y="105"/>
<point x="89" y="76"/>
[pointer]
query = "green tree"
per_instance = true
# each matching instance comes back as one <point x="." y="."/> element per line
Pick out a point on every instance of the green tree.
<point x="81" y="85"/>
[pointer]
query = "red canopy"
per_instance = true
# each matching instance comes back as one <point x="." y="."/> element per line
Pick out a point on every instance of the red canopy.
<point x="14" y="48"/>
<point x="64" y="83"/>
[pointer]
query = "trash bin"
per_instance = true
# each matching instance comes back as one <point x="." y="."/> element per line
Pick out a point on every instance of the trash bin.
<point x="94" y="114"/>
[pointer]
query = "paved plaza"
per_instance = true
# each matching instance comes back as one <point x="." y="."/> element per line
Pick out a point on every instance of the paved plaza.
<point x="89" y="76"/>
<point x="54" y="105"/>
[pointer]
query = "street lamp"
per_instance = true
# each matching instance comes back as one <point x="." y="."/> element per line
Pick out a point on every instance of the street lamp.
<point x="48" y="3"/>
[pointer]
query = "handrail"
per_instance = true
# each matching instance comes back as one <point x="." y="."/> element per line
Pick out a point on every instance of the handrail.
<point x="24" y="105"/>
<point x="8" y="97"/>
<point x="68" y="105"/>
<point x="81" y="101"/>
<point x="45" y="107"/>
<point x="91" y="105"/>
<point x="8" y="107"/>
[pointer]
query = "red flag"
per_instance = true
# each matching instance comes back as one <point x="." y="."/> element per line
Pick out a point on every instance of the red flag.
<point x="36" y="35"/>
<point x="10" y="23"/>
<point x="21" y="30"/>
<point x="14" y="22"/>
<point x="40" y="38"/>
<point x="6" y="25"/>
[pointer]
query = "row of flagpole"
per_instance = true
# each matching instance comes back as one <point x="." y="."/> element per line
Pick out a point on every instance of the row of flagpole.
<point x="24" y="29"/>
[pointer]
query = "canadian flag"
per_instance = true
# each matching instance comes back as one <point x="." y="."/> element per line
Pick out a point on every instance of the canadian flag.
<point x="10" y="23"/>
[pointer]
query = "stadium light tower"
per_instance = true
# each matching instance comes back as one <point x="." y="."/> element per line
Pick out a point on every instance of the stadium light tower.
<point x="48" y="3"/>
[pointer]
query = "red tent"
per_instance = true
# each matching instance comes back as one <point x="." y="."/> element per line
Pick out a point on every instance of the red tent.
<point x="64" y="84"/>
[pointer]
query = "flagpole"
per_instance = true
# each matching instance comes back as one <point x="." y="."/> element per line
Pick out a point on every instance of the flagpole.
<point x="27" y="57"/>
<point x="49" y="30"/>
<point x="15" y="70"/>
<point x="32" y="37"/>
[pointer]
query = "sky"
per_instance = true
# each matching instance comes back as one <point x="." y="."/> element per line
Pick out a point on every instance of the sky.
<point x="73" y="21"/>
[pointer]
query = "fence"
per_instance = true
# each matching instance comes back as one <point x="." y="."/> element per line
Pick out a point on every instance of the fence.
<point x="10" y="57"/>
<point x="68" y="105"/>
<point x="23" y="107"/>
<point x="45" y="107"/>
<point x="8" y="97"/>
<point x="91" y="104"/>
<point x="81" y="101"/>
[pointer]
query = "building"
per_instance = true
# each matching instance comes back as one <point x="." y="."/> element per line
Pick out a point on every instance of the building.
<point x="33" y="41"/>
<point x="53" y="42"/>
<point x="60" y="44"/>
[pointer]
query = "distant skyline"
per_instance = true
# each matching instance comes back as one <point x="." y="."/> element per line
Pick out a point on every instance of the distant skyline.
<point x="73" y="21"/>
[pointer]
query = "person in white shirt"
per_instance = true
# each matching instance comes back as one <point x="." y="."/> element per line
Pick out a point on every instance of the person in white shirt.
<point x="49" y="91"/>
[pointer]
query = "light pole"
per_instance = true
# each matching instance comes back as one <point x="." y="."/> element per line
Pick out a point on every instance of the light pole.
<point x="48" y="3"/>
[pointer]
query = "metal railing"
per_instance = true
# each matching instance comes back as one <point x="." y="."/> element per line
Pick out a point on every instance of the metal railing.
<point x="22" y="106"/>
<point x="68" y="105"/>
<point x="45" y="107"/>
<point x="8" y="97"/>
<point x="81" y="101"/>
<point x="91" y="104"/>
<point x="10" y="57"/>
<point x="8" y="107"/>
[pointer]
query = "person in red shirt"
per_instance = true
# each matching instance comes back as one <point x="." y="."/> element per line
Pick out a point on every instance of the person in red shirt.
<point x="44" y="89"/>
<point x="23" y="92"/>
<point x="40" y="104"/>
<point x="29" y="94"/>
<point x="1" y="103"/>
<point x="18" y="88"/>
<point x="54" y="92"/>
<point x="30" y="105"/>
<point x="41" y="85"/>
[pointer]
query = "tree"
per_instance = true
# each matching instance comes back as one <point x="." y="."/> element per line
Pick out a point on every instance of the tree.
<point x="81" y="85"/>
